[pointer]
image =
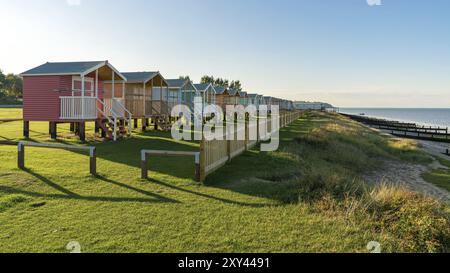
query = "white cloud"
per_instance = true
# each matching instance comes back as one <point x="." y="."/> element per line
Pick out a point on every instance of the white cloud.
<point x="73" y="2"/>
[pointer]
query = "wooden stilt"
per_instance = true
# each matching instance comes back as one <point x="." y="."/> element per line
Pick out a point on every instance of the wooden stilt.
<point x="82" y="129"/>
<point x="77" y="128"/>
<point x="103" y="131"/>
<point x="135" y="123"/>
<point x="26" y="129"/>
<point x="144" y="124"/>
<point x="53" y="130"/>
<point x="72" y="127"/>
<point x="97" y="126"/>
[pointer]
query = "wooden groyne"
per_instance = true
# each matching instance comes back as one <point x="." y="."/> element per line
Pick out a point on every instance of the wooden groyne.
<point x="403" y="129"/>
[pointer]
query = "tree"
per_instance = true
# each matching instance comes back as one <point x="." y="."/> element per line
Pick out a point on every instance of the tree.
<point x="13" y="85"/>
<point x="207" y="79"/>
<point x="2" y="79"/>
<point x="184" y="78"/>
<point x="236" y="85"/>
<point x="222" y="82"/>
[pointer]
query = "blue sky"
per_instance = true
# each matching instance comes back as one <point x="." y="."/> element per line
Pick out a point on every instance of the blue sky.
<point x="341" y="51"/>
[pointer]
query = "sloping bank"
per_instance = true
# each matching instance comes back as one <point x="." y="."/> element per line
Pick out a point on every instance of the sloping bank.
<point x="335" y="159"/>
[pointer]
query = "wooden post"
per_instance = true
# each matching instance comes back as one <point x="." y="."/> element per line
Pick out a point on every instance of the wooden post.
<point x="21" y="156"/>
<point x="144" y="124"/>
<point x="77" y="128"/>
<point x="72" y="127"/>
<point x="82" y="128"/>
<point x="103" y="132"/>
<point x="135" y="123"/>
<point x="144" y="172"/>
<point x="199" y="177"/>
<point x="201" y="162"/>
<point x="53" y="128"/>
<point x="228" y="147"/>
<point x="26" y="128"/>
<point x="97" y="126"/>
<point x="257" y="128"/>
<point x="247" y="133"/>
<point x="93" y="161"/>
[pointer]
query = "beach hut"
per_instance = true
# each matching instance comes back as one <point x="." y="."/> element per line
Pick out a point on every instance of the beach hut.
<point x="222" y="97"/>
<point x="235" y="96"/>
<point x="268" y="102"/>
<point x="147" y="97"/>
<point x="255" y="100"/>
<point x="73" y="92"/>
<point x="207" y="92"/>
<point x="182" y="91"/>
<point x="243" y="98"/>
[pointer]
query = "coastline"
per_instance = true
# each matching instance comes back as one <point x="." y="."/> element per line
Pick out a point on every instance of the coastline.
<point x="421" y="116"/>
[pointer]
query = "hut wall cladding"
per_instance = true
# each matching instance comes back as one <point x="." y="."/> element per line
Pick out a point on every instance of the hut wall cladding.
<point x="117" y="90"/>
<point x="134" y="99"/>
<point x="41" y="96"/>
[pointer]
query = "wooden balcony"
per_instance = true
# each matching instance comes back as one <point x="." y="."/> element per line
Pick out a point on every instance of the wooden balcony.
<point x="78" y="108"/>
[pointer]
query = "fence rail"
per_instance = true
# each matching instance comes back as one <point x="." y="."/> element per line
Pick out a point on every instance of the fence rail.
<point x="216" y="153"/>
<point x="92" y="153"/>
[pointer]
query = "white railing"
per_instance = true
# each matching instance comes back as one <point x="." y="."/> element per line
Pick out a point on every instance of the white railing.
<point x="118" y="106"/>
<point x="110" y="115"/>
<point x="78" y="108"/>
<point x="115" y="109"/>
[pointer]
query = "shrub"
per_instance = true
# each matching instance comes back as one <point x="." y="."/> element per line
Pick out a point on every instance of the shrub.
<point x="416" y="222"/>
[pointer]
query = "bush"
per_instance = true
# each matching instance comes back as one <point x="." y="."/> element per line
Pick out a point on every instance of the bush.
<point x="408" y="222"/>
<point x="416" y="222"/>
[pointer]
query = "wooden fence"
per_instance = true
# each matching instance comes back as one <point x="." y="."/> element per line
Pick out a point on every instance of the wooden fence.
<point x="216" y="153"/>
<point x="92" y="153"/>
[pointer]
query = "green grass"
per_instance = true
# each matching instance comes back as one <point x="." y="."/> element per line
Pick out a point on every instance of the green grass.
<point x="10" y="113"/>
<point x="292" y="200"/>
<point x="440" y="177"/>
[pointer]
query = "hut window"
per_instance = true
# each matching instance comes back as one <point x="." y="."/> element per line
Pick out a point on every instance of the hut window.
<point x="88" y="84"/>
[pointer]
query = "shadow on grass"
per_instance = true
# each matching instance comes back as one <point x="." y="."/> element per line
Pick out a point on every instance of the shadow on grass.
<point x="227" y="201"/>
<point x="141" y="191"/>
<point x="67" y="194"/>
<point x="5" y="189"/>
<point x="52" y="184"/>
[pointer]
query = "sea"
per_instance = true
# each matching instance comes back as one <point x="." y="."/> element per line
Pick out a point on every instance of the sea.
<point x="422" y="116"/>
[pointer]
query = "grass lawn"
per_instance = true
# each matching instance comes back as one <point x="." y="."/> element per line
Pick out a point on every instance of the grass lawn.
<point x="441" y="177"/>
<point x="260" y="202"/>
<point x="10" y="113"/>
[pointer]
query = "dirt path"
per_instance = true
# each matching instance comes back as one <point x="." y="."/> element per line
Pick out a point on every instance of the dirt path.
<point x="410" y="175"/>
